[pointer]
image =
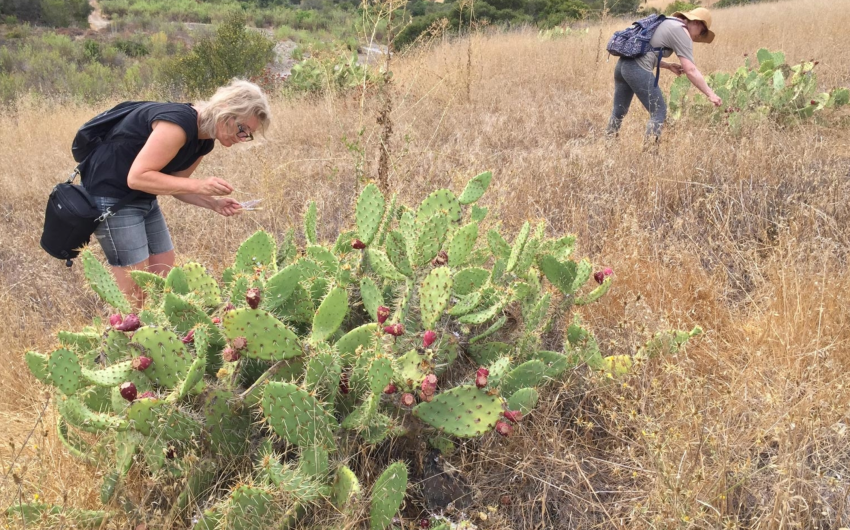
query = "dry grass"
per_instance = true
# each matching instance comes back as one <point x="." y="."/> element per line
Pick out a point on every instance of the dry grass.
<point x="744" y="235"/>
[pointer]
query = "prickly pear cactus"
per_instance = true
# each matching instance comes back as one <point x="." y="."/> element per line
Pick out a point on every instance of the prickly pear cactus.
<point x="325" y="348"/>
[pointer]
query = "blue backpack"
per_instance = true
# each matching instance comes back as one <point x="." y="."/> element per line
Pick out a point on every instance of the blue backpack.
<point x="633" y="41"/>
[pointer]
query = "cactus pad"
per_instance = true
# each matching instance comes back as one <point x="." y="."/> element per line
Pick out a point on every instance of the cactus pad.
<point x="228" y="425"/>
<point x="310" y="220"/>
<point x="258" y="251"/>
<point x="434" y="295"/>
<point x="65" y="372"/>
<point x="149" y="282"/>
<point x="363" y="336"/>
<point x="469" y="280"/>
<point x="371" y="296"/>
<point x="382" y="265"/>
<point x="498" y="246"/>
<point x="268" y="338"/>
<point x="410" y="370"/>
<point x="475" y="188"/>
<point x="463" y="411"/>
<point x="397" y="253"/>
<point x="151" y="416"/>
<point x="176" y="281"/>
<point x="430" y="238"/>
<point x="103" y="283"/>
<point x="82" y="417"/>
<point x="369" y="212"/>
<point x="201" y="283"/>
<point x="387" y="495"/>
<point x="519" y="244"/>
<point x="324" y="258"/>
<point x="249" y="508"/>
<point x="330" y="315"/>
<point x="109" y="376"/>
<point x="489" y="352"/>
<point x="466" y="304"/>
<point x="617" y="365"/>
<point x="556" y="363"/>
<point x="526" y="375"/>
<point x="561" y="275"/>
<point x="82" y="342"/>
<point x="440" y="201"/>
<point x="171" y="361"/>
<point x="280" y="286"/>
<point x="462" y="244"/>
<point x="523" y="400"/>
<point x="595" y="294"/>
<point x="380" y="373"/>
<point x="346" y="487"/>
<point x="484" y="315"/>
<point x="323" y="373"/>
<point x="38" y="365"/>
<point x="297" y="416"/>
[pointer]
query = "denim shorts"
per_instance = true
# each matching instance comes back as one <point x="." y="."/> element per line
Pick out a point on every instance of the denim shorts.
<point x="136" y="232"/>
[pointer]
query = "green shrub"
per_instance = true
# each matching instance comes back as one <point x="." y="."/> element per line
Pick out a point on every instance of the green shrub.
<point x="679" y="5"/>
<point x="132" y="48"/>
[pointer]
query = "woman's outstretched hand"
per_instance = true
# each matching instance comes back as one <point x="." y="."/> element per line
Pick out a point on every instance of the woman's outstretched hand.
<point x="227" y="206"/>
<point x="214" y="186"/>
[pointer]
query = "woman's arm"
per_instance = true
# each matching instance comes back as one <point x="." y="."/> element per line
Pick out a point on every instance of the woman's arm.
<point x="224" y="205"/>
<point x="162" y="145"/>
<point x="695" y="77"/>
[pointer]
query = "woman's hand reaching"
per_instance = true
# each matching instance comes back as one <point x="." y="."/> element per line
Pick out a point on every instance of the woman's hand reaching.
<point x="213" y="186"/>
<point x="227" y="206"/>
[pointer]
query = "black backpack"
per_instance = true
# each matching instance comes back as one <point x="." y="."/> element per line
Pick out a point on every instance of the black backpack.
<point x="72" y="216"/>
<point x="91" y="134"/>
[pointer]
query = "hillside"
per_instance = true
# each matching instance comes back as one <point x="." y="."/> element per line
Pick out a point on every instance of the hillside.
<point x="742" y="233"/>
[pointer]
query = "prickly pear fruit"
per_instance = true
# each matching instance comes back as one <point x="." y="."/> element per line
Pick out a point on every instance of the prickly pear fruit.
<point x="128" y="390"/>
<point x="130" y="323"/>
<point x="424" y="523"/>
<point x="513" y="415"/>
<point x="390" y="389"/>
<point x="147" y="394"/>
<point x="344" y="387"/>
<point x="429" y="385"/>
<point x="608" y="271"/>
<point x="230" y="355"/>
<point x="428" y="338"/>
<point x="383" y="313"/>
<point x="216" y="320"/>
<point x="427" y="398"/>
<point x="141" y="363"/>
<point x="481" y="377"/>
<point x="357" y="244"/>
<point x="115" y="319"/>
<point x="189" y="338"/>
<point x="229" y="307"/>
<point x="440" y="259"/>
<point x="503" y="428"/>
<point x="396" y="330"/>
<point x="253" y="297"/>
<point x="407" y="400"/>
<point x="239" y="343"/>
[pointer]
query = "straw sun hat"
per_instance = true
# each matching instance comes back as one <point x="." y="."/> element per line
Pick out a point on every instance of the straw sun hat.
<point x="703" y="16"/>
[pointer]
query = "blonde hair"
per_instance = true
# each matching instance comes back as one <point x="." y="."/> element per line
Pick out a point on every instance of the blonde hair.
<point x="238" y="100"/>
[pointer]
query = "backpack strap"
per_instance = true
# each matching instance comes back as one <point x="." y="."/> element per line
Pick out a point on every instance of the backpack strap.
<point x="112" y="210"/>
<point x="658" y="65"/>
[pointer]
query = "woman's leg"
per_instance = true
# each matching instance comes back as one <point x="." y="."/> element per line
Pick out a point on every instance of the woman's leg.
<point x="643" y="83"/>
<point x="623" y="95"/>
<point x="160" y="246"/>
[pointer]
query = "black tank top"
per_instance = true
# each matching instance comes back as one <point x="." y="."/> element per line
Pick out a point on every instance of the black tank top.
<point x="104" y="172"/>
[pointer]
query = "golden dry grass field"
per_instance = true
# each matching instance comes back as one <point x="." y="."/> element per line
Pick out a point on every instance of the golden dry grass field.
<point x="743" y="234"/>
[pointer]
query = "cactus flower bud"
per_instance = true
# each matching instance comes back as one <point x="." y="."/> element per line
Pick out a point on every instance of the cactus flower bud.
<point x="130" y="323"/>
<point x="429" y="385"/>
<point x="429" y="338"/>
<point x="189" y="338"/>
<point x="141" y="363"/>
<point x="599" y="277"/>
<point x="230" y="355"/>
<point x="407" y="399"/>
<point x="115" y="319"/>
<point x="504" y="428"/>
<point x="239" y="343"/>
<point x="396" y="330"/>
<point x="357" y="244"/>
<point x="383" y="313"/>
<point x="513" y="415"/>
<point x="481" y="377"/>
<point x="253" y="297"/>
<point x="390" y="389"/>
<point x="427" y="398"/>
<point x="128" y="391"/>
<point x="147" y="394"/>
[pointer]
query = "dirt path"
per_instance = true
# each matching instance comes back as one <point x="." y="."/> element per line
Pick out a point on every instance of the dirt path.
<point x="96" y="20"/>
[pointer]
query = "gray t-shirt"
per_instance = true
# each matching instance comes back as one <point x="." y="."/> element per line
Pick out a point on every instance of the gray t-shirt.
<point x="671" y="36"/>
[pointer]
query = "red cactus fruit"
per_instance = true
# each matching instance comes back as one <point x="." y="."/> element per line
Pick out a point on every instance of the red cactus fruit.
<point x="128" y="390"/>
<point x="440" y="259"/>
<point x="513" y="415"/>
<point x="427" y="398"/>
<point x="239" y="343"/>
<point x="390" y="389"/>
<point x="141" y="363"/>
<point x="429" y="385"/>
<point x="130" y="323"/>
<point x="229" y="307"/>
<point x="383" y="313"/>
<point x="504" y="428"/>
<point x="230" y="355"/>
<point x="216" y="320"/>
<point x="115" y="319"/>
<point x="357" y="244"/>
<point x="428" y="338"/>
<point x="344" y="388"/>
<point x="424" y="523"/>
<point x="407" y="399"/>
<point x="147" y="394"/>
<point x="599" y="276"/>
<point x="253" y="297"/>
<point x="396" y="330"/>
<point x="189" y="338"/>
<point x="481" y="377"/>
<point x="607" y="271"/>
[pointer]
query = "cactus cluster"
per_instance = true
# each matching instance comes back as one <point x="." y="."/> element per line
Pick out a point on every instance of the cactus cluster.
<point x="768" y="88"/>
<point x="353" y="337"/>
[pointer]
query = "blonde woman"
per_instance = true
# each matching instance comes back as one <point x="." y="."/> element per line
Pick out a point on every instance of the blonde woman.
<point x="152" y="151"/>
<point x="635" y="77"/>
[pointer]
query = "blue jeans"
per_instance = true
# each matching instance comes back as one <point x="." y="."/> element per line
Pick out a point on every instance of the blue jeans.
<point x="136" y="232"/>
<point x="631" y="80"/>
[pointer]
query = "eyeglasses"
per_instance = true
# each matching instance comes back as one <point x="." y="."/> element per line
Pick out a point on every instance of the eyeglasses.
<point x="243" y="134"/>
